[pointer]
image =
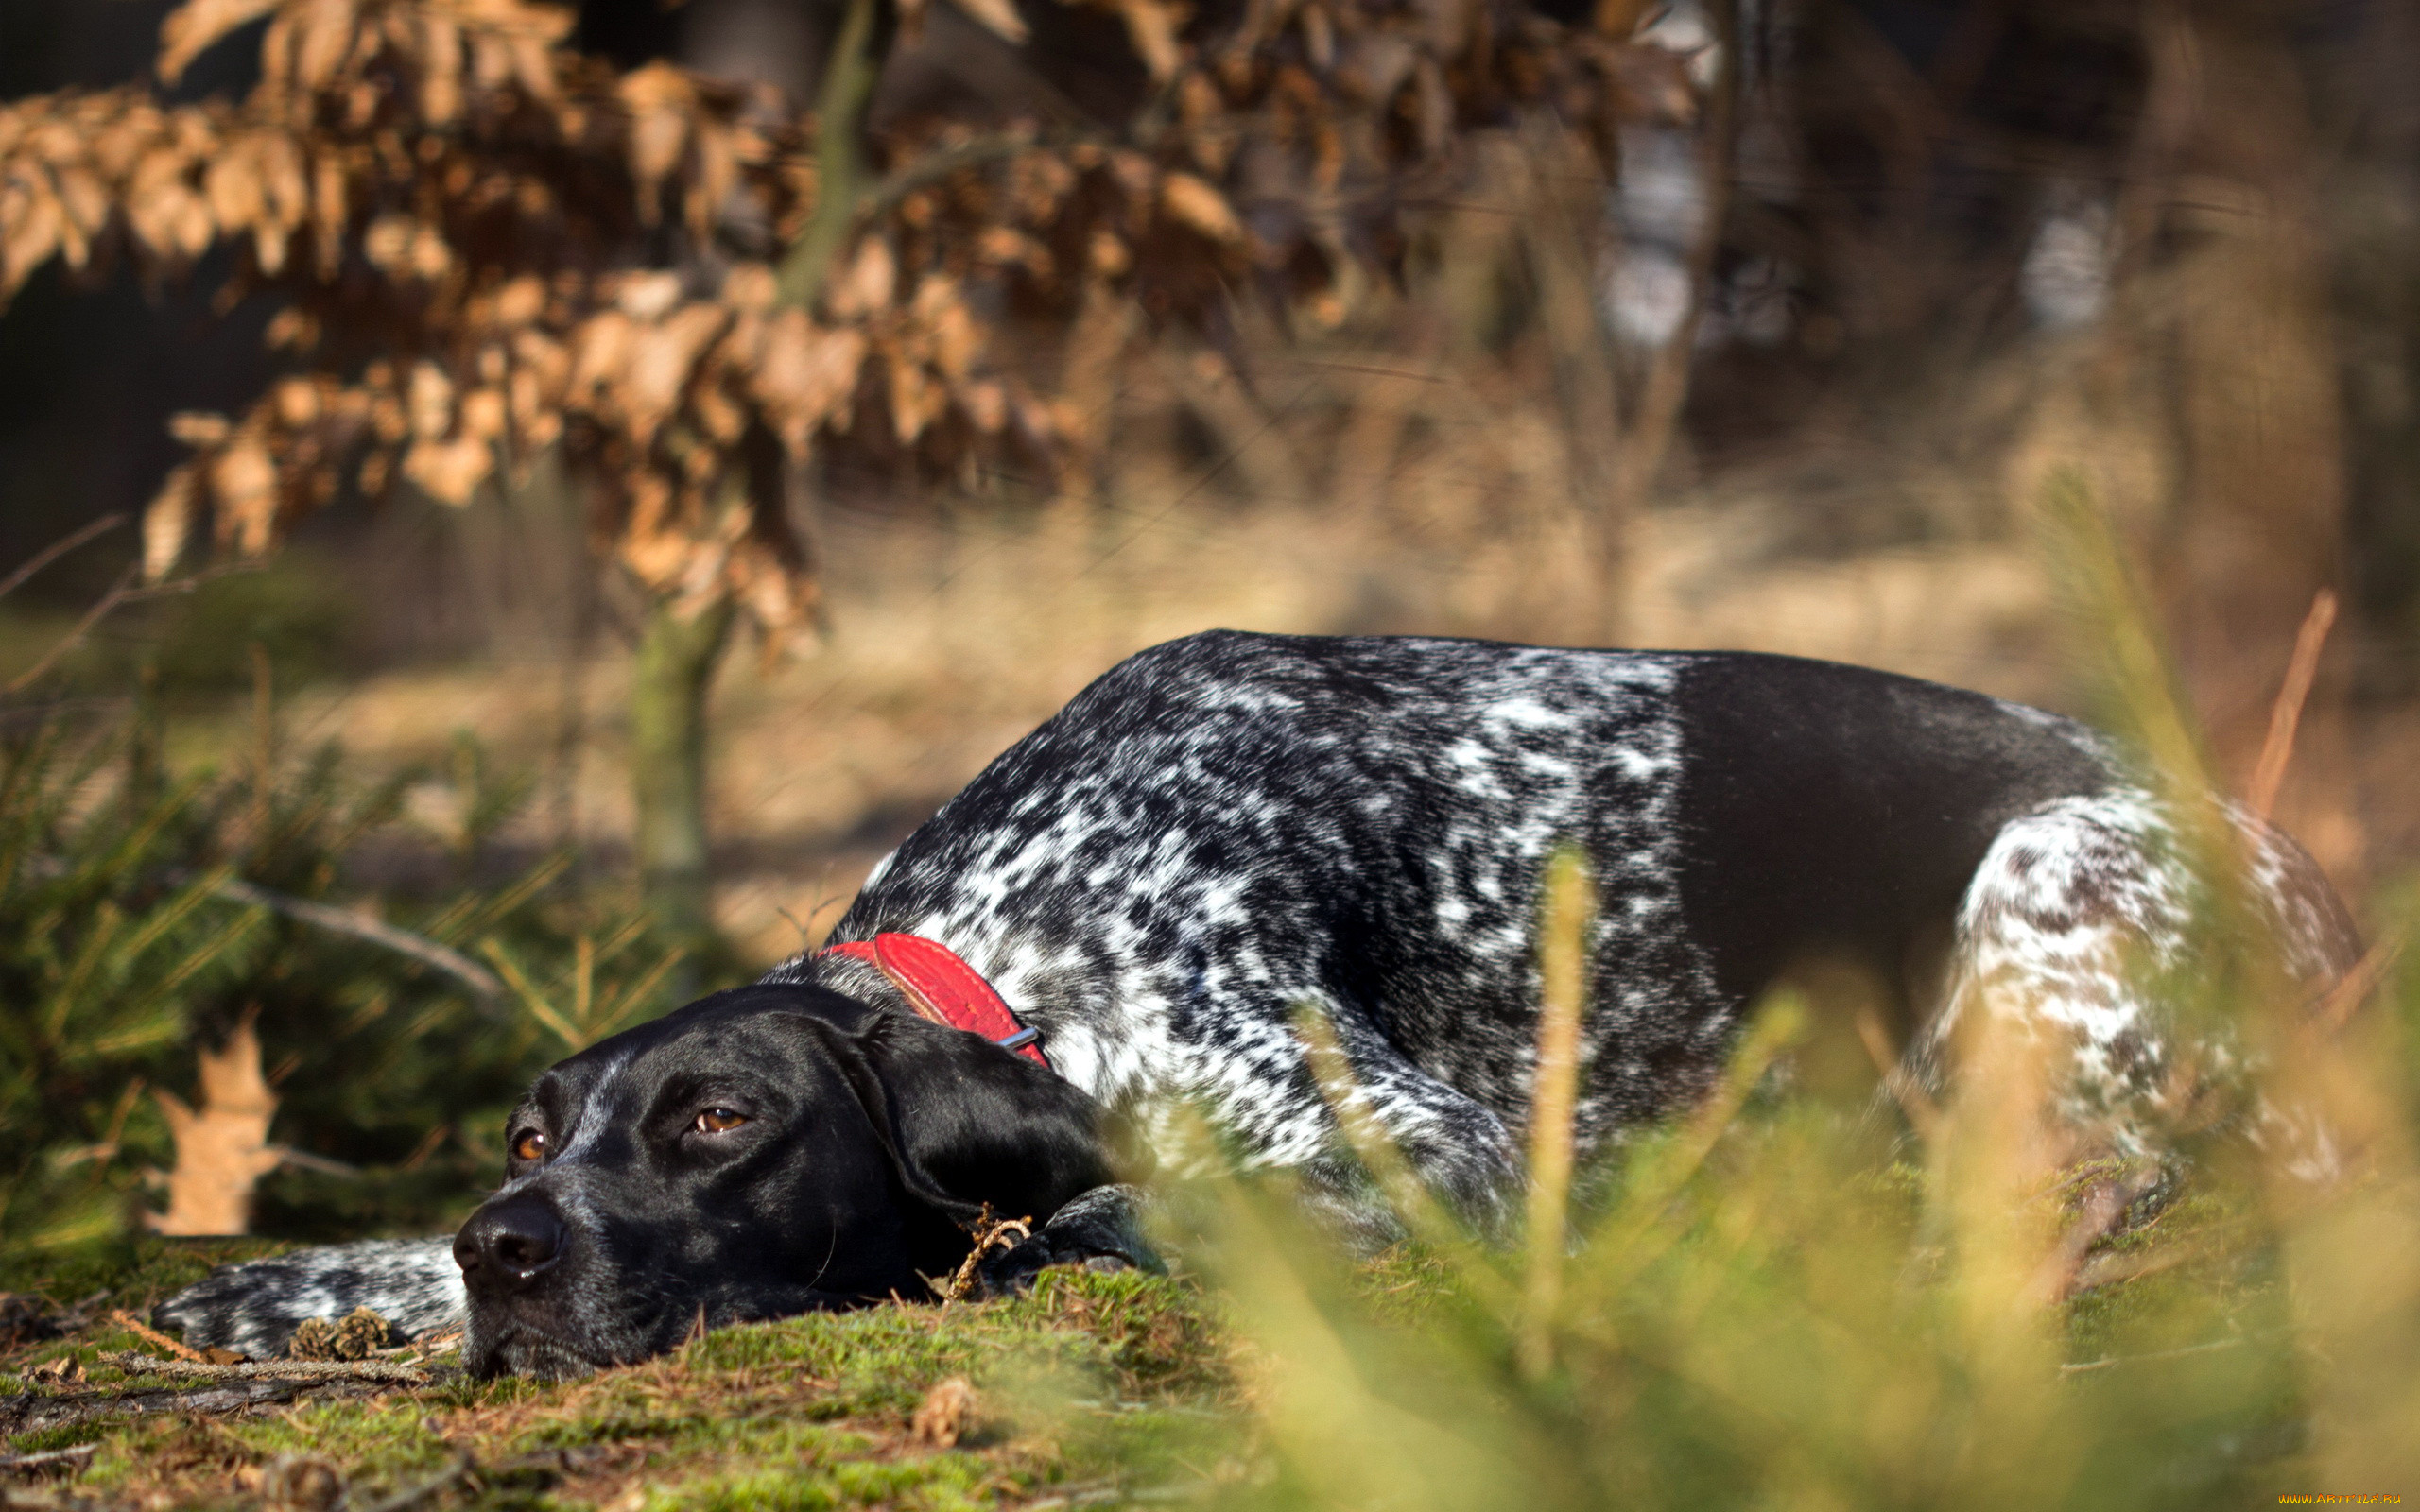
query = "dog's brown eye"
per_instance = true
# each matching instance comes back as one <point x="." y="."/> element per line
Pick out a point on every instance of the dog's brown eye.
<point x="719" y="1119"/>
<point x="529" y="1147"/>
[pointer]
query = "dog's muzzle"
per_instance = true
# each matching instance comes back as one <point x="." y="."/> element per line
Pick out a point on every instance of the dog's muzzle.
<point x="506" y="1247"/>
<point x="513" y="1257"/>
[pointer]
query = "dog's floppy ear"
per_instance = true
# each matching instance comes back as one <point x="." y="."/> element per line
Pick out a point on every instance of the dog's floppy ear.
<point x="968" y="1124"/>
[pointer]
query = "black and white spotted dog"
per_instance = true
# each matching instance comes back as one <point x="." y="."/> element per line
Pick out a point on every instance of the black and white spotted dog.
<point x="1225" y="829"/>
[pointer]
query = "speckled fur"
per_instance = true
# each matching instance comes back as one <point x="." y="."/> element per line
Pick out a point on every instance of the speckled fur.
<point x="1227" y="830"/>
<point x="2083" y="911"/>
<point x="1222" y="831"/>
<point x="254" y="1308"/>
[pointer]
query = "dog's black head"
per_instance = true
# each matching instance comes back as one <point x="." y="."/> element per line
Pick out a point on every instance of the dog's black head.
<point x="770" y="1150"/>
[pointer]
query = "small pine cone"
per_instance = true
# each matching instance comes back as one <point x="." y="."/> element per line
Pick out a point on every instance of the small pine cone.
<point x="360" y="1334"/>
<point x="950" y="1414"/>
<point x="314" y="1339"/>
<point x="357" y="1335"/>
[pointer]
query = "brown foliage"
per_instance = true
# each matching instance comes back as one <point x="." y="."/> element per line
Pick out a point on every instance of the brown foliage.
<point x="222" y="1146"/>
<point x="488" y="246"/>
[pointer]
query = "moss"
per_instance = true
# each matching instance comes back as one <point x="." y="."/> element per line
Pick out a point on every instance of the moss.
<point x="1093" y="1381"/>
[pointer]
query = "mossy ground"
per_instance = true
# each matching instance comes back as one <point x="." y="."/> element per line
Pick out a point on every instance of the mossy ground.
<point x="1095" y="1387"/>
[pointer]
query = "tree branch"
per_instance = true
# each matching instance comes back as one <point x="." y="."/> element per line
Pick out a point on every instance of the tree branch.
<point x="58" y="549"/>
<point x="342" y="921"/>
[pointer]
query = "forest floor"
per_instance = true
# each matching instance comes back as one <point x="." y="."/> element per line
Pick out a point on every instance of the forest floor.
<point x="1094" y="1388"/>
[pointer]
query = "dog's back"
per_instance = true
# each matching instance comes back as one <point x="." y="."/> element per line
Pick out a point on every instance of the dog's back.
<point x="1225" y="829"/>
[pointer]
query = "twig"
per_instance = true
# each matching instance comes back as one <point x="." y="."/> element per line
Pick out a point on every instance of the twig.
<point x="75" y="638"/>
<point x="2080" y="1367"/>
<point x="58" y="549"/>
<point x="2110" y="1266"/>
<point x="453" y="963"/>
<point x="337" y="920"/>
<point x="2061" y="1273"/>
<point x="393" y="1371"/>
<point x="2337" y="1003"/>
<point x="34" y="1412"/>
<point x="136" y="1325"/>
<point x="1904" y="1089"/>
<point x="11" y="1463"/>
<point x="2285" y="714"/>
<point x="990" y="1234"/>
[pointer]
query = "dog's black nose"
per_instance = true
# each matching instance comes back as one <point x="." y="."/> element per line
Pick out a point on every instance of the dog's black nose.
<point x="509" y="1243"/>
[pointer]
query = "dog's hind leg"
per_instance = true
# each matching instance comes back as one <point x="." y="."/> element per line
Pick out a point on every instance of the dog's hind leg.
<point x="254" y="1308"/>
<point x="1463" y="1153"/>
<point x="2084" y="918"/>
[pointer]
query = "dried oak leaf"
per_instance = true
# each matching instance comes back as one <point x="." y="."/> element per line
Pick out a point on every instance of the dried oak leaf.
<point x="191" y="28"/>
<point x="1194" y="203"/>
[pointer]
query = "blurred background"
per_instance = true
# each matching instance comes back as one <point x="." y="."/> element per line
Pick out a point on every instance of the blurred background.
<point x="1764" y="325"/>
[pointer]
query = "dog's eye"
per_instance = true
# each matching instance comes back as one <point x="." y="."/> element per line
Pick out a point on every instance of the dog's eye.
<point x="719" y="1121"/>
<point x="529" y="1147"/>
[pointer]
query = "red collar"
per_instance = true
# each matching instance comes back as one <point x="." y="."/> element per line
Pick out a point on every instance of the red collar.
<point x="944" y="989"/>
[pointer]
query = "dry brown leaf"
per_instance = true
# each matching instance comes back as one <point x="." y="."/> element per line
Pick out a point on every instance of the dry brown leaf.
<point x="1000" y="16"/>
<point x="191" y="28"/>
<point x="243" y="482"/>
<point x="156" y="197"/>
<point x="440" y="60"/>
<point x="326" y="38"/>
<point x="533" y="66"/>
<point x="222" y="1146"/>
<point x="872" y="278"/>
<point x="916" y="401"/>
<point x="430" y="401"/>
<point x="83" y="195"/>
<point x="331" y="208"/>
<point x="955" y="338"/>
<point x="519" y="301"/>
<point x="806" y="375"/>
<point x="717" y="172"/>
<point x="199" y="428"/>
<point x="663" y="357"/>
<point x="167" y="522"/>
<point x="31" y="220"/>
<point x="388" y="242"/>
<point x="947" y="1414"/>
<point x="483" y="414"/>
<point x="232" y="183"/>
<point x="599" y="351"/>
<point x="490" y="61"/>
<point x="1195" y="204"/>
<point x="1151" y="26"/>
<point x="648" y="296"/>
<point x="661" y="101"/>
<point x="986" y="404"/>
<point x="450" y="471"/>
<point x="295" y="401"/>
<point x="1007" y="246"/>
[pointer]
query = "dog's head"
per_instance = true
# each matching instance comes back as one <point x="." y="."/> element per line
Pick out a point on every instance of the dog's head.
<point x="766" y="1151"/>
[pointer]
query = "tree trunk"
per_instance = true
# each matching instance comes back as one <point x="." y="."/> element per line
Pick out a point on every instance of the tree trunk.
<point x="678" y="652"/>
<point x="851" y="66"/>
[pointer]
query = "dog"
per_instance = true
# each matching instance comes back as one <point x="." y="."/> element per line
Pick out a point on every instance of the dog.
<point x="1226" y="830"/>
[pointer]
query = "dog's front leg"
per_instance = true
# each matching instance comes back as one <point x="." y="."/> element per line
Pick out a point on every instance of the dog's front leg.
<point x="254" y="1308"/>
<point x="1101" y="1229"/>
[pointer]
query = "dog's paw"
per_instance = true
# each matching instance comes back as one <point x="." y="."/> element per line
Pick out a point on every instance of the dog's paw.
<point x="255" y="1307"/>
<point x="1101" y="1231"/>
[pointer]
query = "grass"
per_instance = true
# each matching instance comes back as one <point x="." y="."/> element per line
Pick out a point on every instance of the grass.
<point x="1762" y="1320"/>
<point x="1092" y="1385"/>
